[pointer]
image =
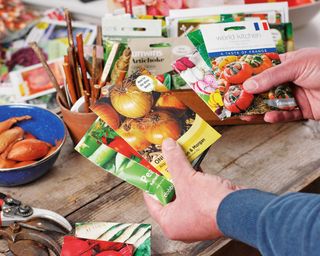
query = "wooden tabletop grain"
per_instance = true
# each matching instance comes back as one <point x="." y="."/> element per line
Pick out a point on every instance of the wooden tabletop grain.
<point x="276" y="158"/>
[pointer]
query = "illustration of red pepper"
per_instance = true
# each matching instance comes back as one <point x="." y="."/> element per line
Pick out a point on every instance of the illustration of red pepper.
<point x="119" y="145"/>
<point x="160" y="78"/>
<point x="258" y="62"/>
<point x="236" y="99"/>
<point x="237" y="72"/>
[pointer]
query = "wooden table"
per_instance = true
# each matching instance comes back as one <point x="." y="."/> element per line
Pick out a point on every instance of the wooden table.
<point x="277" y="158"/>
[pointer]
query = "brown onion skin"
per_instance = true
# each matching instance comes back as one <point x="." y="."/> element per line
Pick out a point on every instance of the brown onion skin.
<point x="131" y="102"/>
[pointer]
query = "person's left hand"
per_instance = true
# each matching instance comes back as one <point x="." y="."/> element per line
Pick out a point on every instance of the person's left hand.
<point x="192" y="215"/>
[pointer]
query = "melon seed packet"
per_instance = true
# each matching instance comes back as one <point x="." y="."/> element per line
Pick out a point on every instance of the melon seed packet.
<point x="233" y="53"/>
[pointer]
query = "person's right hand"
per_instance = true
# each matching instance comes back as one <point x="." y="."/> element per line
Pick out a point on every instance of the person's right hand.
<point x="301" y="67"/>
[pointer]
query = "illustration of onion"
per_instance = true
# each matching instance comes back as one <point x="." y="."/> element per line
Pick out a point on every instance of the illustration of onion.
<point x="161" y="125"/>
<point x="130" y="102"/>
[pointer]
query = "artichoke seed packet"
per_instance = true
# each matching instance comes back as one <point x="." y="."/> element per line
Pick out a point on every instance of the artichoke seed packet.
<point x="232" y="53"/>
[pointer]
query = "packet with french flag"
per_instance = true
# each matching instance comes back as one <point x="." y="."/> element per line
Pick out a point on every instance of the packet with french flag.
<point x="235" y="51"/>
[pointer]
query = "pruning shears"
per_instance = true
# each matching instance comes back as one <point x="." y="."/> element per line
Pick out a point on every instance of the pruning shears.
<point x="26" y="229"/>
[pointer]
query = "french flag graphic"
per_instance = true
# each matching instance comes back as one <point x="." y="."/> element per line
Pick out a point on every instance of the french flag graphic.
<point x="261" y="25"/>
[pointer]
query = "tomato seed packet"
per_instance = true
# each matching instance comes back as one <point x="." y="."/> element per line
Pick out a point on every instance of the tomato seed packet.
<point x="136" y="236"/>
<point x="124" y="164"/>
<point x="235" y="52"/>
<point x="144" y="113"/>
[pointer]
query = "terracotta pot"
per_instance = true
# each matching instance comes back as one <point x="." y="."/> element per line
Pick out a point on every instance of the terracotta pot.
<point x="77" y="123"/>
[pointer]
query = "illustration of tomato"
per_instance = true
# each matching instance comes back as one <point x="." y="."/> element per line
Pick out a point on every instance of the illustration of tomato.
<point x="258" y="62"/>
<point x="161" y="125"/>
<point x="237" y="72"/>
<point x="273" y="55"/>
<point x="221" y="62"/>
<point x="236" y="99"/>
<point x="223" y="85"/>
<point x="216" y="72"/>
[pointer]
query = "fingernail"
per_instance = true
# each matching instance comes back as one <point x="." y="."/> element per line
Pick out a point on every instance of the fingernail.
<point x="250" y="85"/>
<point x="169" y="144"/>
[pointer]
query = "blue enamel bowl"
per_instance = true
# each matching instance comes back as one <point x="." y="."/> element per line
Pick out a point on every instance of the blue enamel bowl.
<point x="46" y="126"/>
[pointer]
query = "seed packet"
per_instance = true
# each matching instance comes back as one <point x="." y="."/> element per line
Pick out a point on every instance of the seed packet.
<point x="282" y="35"/>
<point x="236" y="52"/>
<point x="149" y="113"/>
<point x="106" y="135"/>
<point x="32" y="82"/>
<point x="272" y="10"/>
<point x="136" y="235"/>
<point x="126" y="168"/>
<point x="156" y="17"/>
<point x="157" y="54"/>
<point x="73" y="246"/>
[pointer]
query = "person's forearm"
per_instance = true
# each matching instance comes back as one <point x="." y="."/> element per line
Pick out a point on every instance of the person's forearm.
<point x="276" y="225"/>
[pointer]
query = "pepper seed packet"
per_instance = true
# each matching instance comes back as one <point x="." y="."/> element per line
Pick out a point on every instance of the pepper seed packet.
<point x="147" y="113"/>
<point x="136" y="236"/>
<point x="74" y="246"/>
<point x="235" y="51"/>
<point x="117" y="158"/>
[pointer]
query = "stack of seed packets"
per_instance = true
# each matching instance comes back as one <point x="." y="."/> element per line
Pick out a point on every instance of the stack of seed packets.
<point x="134" y="119"/>
<point x="108" y="238"/>
<point x="227" y="55"/>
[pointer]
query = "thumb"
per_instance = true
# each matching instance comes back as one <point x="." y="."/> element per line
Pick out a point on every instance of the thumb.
<point x="178" y="164"/>
<point x="285" y="72"/>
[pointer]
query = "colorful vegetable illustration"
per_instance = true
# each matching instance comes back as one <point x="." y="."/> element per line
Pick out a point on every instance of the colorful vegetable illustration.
<point x="168" y="100"/>
<point x="237" y="72"/>
<point x="221" y="62"/>
<point x="161" y="125"/>
<point x="127" y="169"/>
<point x="215" y="100"/>
<point x="131" y="102"/>
<point x="236" y="99"/>
<point x="107" y="114"/>
<point x="132" y="131"/>
<point x="121" y="67"/>
<point x="258" y="62"/>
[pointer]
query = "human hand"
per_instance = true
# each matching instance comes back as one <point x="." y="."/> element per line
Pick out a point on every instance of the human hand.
<point x="192" y="215"/>
<point x="301" y="67"/>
